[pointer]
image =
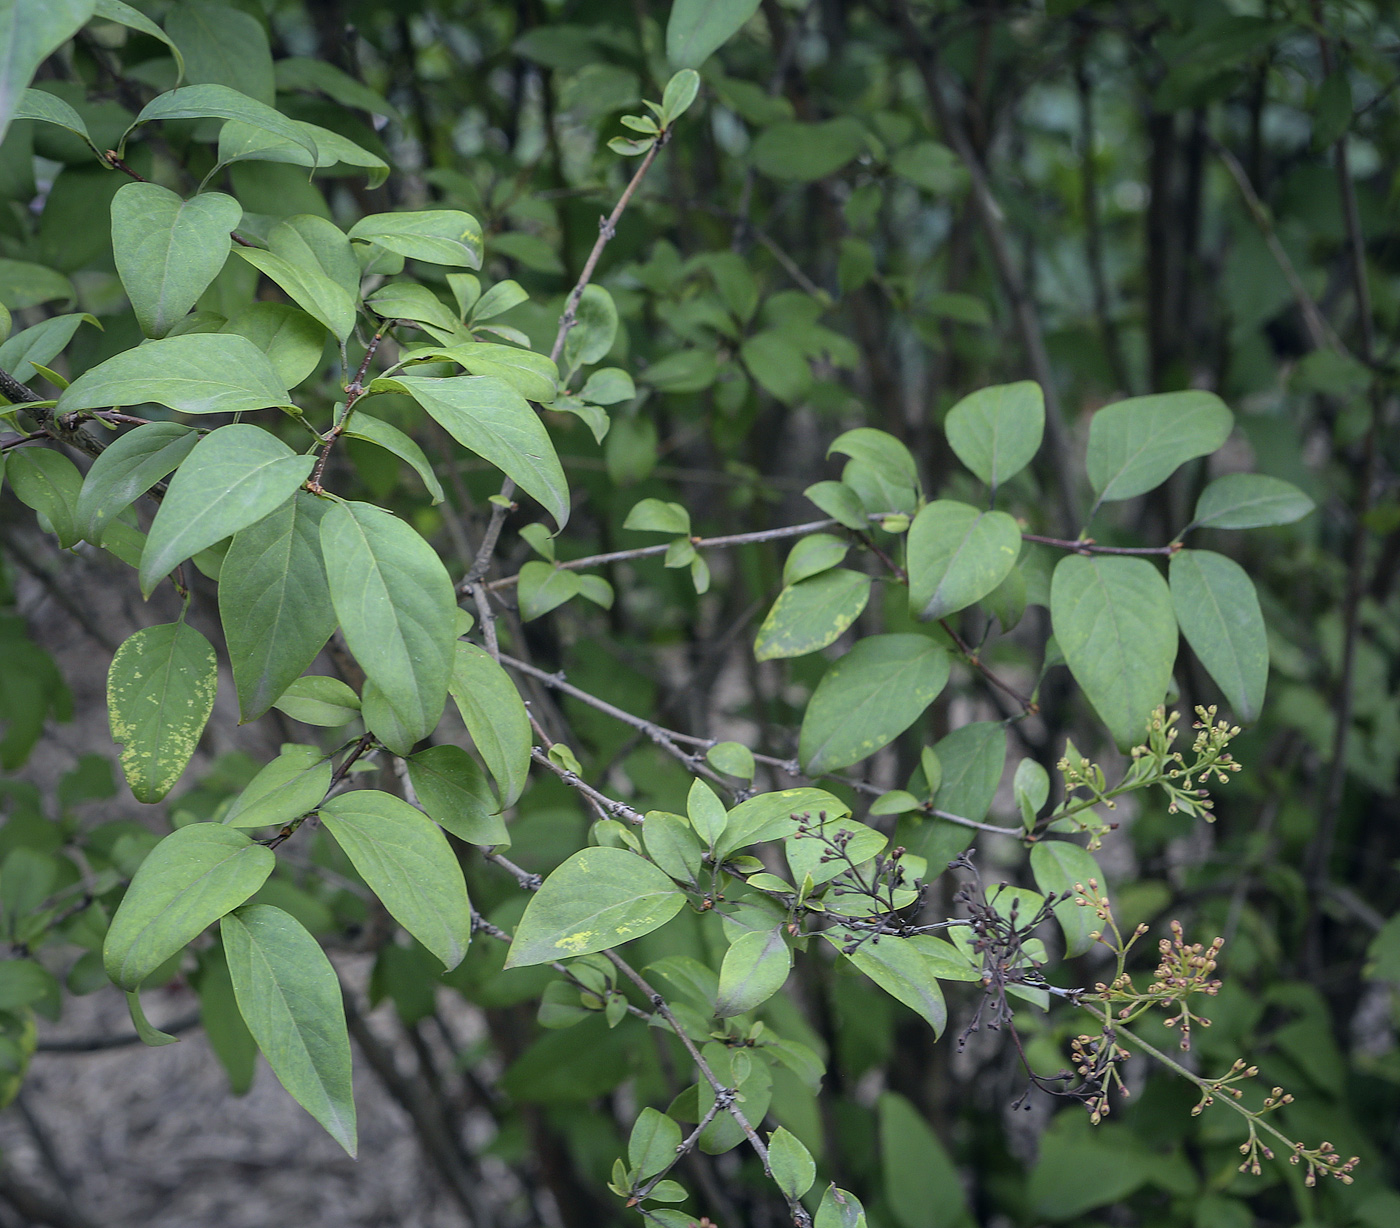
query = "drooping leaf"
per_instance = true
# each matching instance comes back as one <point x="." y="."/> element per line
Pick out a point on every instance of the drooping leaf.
<point x="274" y="601"/>
<point x="493" y="420"/>
<point x="168" y="250"/>
<point x="495" y="717"/>
<point x="128" y="467"/>
<point x="899" y="968"/>
<point x="1249" y="501"/>
<point x="454" y="791"/>
<point x="50" y="483"/>
<point x="195" y="373"/>
<point x="290" y="998"/>
<point x="186" y="883"/>
<point x="40" y="343"/>
<point x="879" y="450"/>
<point x="1137" y="444"/>
<point x="406" y="861"/>
<point x="1219" y="614"/>
<point x="50" y="109"/>
<point x="957" y="555"/>
<point x="391" y="439"/>
<point x="440" y="236"/>
<point x="532" y="375"/>
<point x="312" y="260"/>
<point x="1113" y="621"/>
<point x="599" y="898"/>
<point x="812" y="613"/>
<point x="396" y="606"/>
<point x="997" y="431"/>
<point x="30" y="31"/>
<point x="697" y="29"/>
<point x="232" y="478"/>
<point x="1058" y="866"/>
<point x="160" y="691"/>
<point x="754" y="969"/>
<point x="222" y="102"/>
<point x="123" y="14"/>
<point x="285" y="789"/>
<point x="868" y="698"/>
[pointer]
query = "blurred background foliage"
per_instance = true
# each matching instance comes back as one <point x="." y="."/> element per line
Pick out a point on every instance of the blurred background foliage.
<point x="872" y="210"/>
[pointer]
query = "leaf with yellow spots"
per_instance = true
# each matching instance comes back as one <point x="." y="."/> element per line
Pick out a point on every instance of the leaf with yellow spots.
<point x="599" y="898"/>
<point x="160" y="691"/>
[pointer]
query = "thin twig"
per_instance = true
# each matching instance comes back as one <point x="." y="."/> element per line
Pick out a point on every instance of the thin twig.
<point x="643" y="552"/>
<point x="610" y="806"/>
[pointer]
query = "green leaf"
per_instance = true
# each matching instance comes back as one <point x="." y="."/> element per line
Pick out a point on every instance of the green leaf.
<point x="656" y="516"/>
<point x="376" y="431"/>
<point x="232" y="478"/>
<point x="936" y="169"/>
<point x="812" y="614"/>
<point x="396" y="607"/>
<point x="957" y="555"/>
<point x="1031" y="787"/>
<point x="755" y="967"/>
<point x="921" y="1184"/>
<point x="453" y="789"/>
<point x="50" y="483"/>
<point x="770" y="816"/>
<point x="439" y="236"/>
<point x="41" y="343"/>
<point x="383" y="722"/>
<point x="779" y="365"/>
<point x="275" y="603"/>
<point x="240" y="142"/>
<point x="223" y="46"/>
<point x="160" y="691"/>
<point x="50" y="109"/>
<point x="313" y="261"/>
<point x="542" y="587"/>
<point x="803" y="153"/>
<point x="1332" y="109"/>
<point x="679" y="94"/>
<point x="652" y="1144"/>
<point x="793" y="1167"/>
<point x="899" y="968"/>
<point x="31" y="31"/>
<point x="599" y="898"/>
<point x="223" y="1026"/>
<point x="706" y="811"/>
<point x="697" y="29"/>
<point x="196" y="373"/>
<point x="672" y="844"/>
<point x="1137" y="444"/>
<point x="145" y="1030"/>
<point x="186" y="883"/>
<point x="318" y="700"/>
<point x="970" y="762"/>
<point x="1249" y="501"/>
<point x="496" y="301"/>
<point x="813" y="554"/>
<point x="806" y="851"/>
<point x="878" y="449"/>
<point x="841" y="503"/>
<point x="290" y="998"/>
<point x="533" y="376"/>
<point x="168" y="250"/>
<point x="594" y="330"/>
<point x="292" y="340"/>
<point x="301" y="73"/>
<point x="608" y="386"/>
<point x="1112" y="618"/>
<point x="290" y="786"/>
<point x="1218" y="611"/>
<point x="221" y="102"/>
<point x="1058" y="866"/>
<point x="493" y="420"/>
<point x="732" y="758"/>
<point x="840" y="1209"/>
<point x="406" y="861"/>
<point x="868" y="698"/>
<point x="123" y="14"/>
<point x="996" y="431"/>
<point x="127" y="468"/>
<point x="495" y="717"/>
<point x="404" y="300"/>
